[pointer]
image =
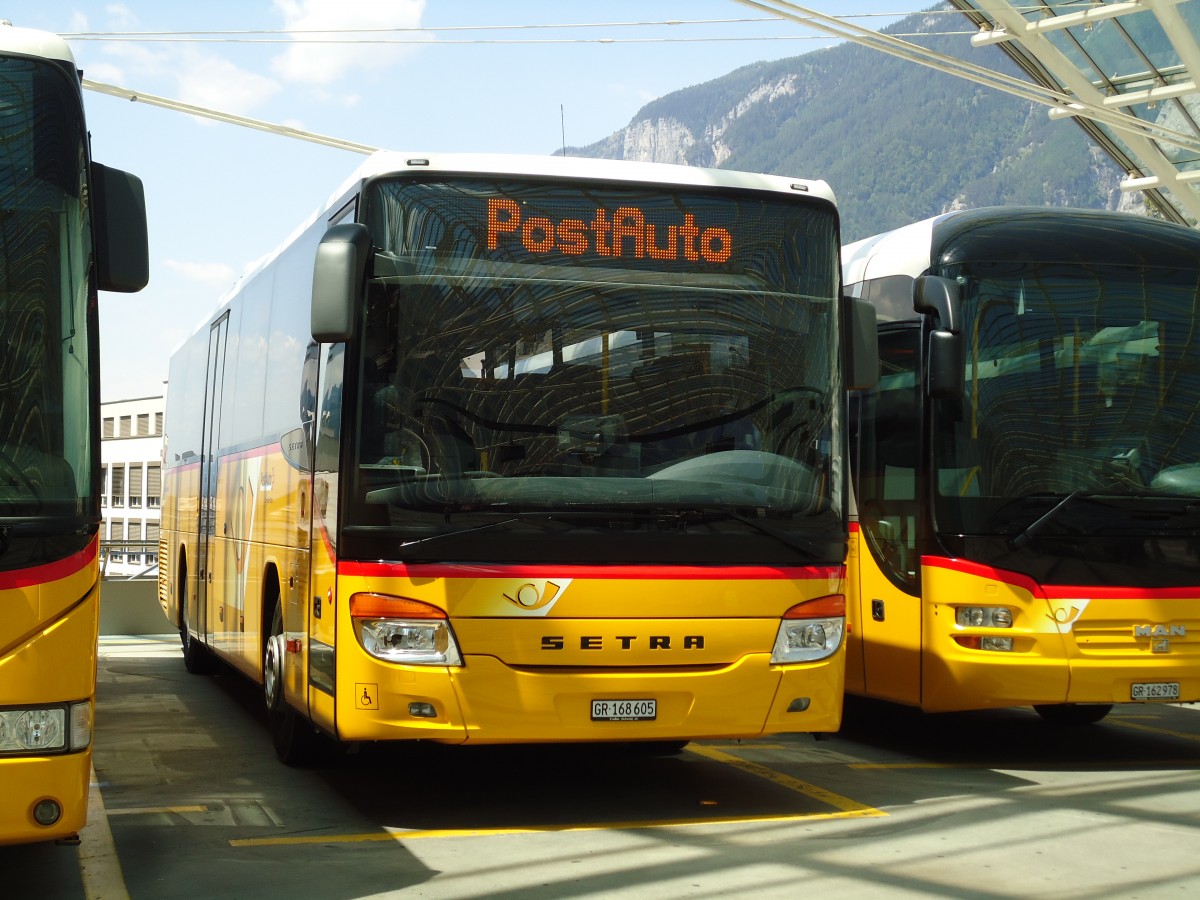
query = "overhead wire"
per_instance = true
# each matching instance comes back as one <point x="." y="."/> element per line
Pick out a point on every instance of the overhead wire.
<point x="323" y="35"/>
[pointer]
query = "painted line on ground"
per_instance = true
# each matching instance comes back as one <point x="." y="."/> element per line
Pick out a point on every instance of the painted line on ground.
<point x="98" y="861"/>
<point x="844" y="806"/>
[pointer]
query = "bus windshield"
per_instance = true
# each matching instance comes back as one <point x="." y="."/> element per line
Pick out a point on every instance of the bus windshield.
<point x="1081" y="382"/>
<point x="45" y="359"/>
<point x="550" y="348"/>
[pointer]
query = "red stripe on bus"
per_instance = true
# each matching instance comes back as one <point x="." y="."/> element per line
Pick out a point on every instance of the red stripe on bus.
<point x="1062" y="591"/>
<point x="50" y="572"/>
<point x="657" y="572"/>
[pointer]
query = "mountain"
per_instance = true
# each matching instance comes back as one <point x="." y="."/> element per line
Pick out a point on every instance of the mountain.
<point x="897" y="141"/>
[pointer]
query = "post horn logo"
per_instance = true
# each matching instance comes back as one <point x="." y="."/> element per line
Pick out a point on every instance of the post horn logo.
<point x="536" y="595"/>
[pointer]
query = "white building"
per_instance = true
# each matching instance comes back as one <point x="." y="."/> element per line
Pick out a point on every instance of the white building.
<point x="131" y="484"/>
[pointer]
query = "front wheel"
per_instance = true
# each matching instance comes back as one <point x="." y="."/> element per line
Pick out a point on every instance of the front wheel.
<point x="296" y="742"/>
<point x="1073" y="713"/>
<point x="196" y="658"/>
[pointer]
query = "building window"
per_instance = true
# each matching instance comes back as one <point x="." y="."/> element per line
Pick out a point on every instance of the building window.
<point x="117" y="541"/>
<point x="158" y="423"/>
<point x="104" y="485"/>
<point x="153" y="485"/>
<point x="135" y="485"/>
<point x="117" y="492"/>
<point x="143" y="424"/>
<point x="135" y="548"/>
<point x="151" y="542"/>
<point x="107" y="428"/>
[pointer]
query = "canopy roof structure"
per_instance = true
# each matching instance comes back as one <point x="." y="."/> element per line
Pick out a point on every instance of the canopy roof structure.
<point x="1126" y="71"/>
<point x="1129" y="71"/>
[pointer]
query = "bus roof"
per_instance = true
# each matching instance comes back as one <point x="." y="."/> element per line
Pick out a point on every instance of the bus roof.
<point x="391" y="162"/>
<point x="28" y="42"/>
<point x="1045" y="234"/>
<point x="386" y="162"/>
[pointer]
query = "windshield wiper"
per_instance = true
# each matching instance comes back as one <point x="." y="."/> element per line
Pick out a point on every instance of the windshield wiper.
<point x="809" y="547"/>
<point x="458" y="532"/>
<point x="1031" y="530"/>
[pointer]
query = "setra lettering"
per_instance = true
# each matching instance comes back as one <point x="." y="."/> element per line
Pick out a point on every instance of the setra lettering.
<point x="625" y="233"/>
<point x="626" y="642"/>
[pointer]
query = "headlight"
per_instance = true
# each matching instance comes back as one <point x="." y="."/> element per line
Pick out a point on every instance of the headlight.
<point x="399" y="630"/>
<point x="810" y="631"/>
<point x="983" y="616"/>
<point x="45" y="729"/>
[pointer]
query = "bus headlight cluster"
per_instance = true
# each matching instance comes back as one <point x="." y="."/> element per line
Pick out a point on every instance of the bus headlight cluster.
<point x="984" y="616"/>
<point x="810" y="631"/>
<point x="399" y="630"/>
<point x="48" y="729"/>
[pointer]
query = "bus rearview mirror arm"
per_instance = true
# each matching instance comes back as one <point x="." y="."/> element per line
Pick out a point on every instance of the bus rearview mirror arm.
<point x="944" y="372"/>
<point x="339" y="271"/>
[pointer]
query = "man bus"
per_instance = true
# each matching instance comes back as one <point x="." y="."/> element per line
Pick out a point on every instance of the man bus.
<point x="69" y="227"/>
<point x="1027" y="470"/>
<point x="503" y="449"/>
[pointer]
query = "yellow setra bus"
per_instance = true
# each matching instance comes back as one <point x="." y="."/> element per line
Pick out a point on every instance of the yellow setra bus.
<point x="1027" y="469"/>
<point x="504" y="449"/>
<point x="69" y="227"/>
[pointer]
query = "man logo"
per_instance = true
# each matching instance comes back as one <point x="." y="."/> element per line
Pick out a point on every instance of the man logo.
<point x="1160" y="631"/>
<point x="536" y="595"/>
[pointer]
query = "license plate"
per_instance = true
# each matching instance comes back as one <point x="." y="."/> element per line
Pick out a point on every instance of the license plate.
<point x="624" y="710"/>
<point x="1156" y="690"/>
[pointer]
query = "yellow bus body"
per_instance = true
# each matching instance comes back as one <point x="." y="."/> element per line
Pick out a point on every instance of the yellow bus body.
<point x="1081" y="645"/>
<point x="508" y="689"/>
<point x="47" y="656"/>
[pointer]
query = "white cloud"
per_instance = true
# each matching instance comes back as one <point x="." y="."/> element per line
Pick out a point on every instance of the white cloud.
<point x="212" y="81"/>
<point x="323" y="64"/>
<point x="212" y="275"/>
<point x="105" y="72"/>
<point x="120" y="17"/>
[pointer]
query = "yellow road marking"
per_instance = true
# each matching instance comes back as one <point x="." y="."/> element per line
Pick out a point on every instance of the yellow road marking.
<point x="1164" y="731"/>
<point x="98" y="862"/>
<point x="919" y="765"/>
<point x="847" y="806"/>
<point x="499" y="832"/>
<point x="846" y="809"/>
<point x="154" y="810"/>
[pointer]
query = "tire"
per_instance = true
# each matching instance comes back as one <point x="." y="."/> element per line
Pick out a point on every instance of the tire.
<point x="1073" y="714"/>
<point x="296" y="742"/>
<point x="196" y="658"/>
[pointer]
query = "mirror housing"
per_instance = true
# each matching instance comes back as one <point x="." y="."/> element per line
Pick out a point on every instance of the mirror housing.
<point x="944" y="359"/>
<point x="339" y="272"/>
<point x="862" y="344"/>
<point x="940" y="296"/>
<point x="119" y="220"/>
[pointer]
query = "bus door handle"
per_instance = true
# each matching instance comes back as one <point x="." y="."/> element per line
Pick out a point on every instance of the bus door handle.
<point x="877" y="610"/>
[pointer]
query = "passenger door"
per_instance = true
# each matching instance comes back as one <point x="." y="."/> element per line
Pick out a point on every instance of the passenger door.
<point x="210" y="442"/>
<point x="886" y="480"/>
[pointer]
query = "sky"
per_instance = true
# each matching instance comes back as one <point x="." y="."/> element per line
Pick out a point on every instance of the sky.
<point x="462" y="76"/>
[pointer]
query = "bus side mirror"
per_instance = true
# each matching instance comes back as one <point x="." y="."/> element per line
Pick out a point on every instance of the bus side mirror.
<point x="944" y="360"/>
<point x="862" y="345"/>
<point x="338" y="275"/>
<point x="119" y="219"/>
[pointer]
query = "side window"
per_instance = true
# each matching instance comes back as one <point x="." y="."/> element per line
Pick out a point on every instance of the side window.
<point x="885" y="482"/>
